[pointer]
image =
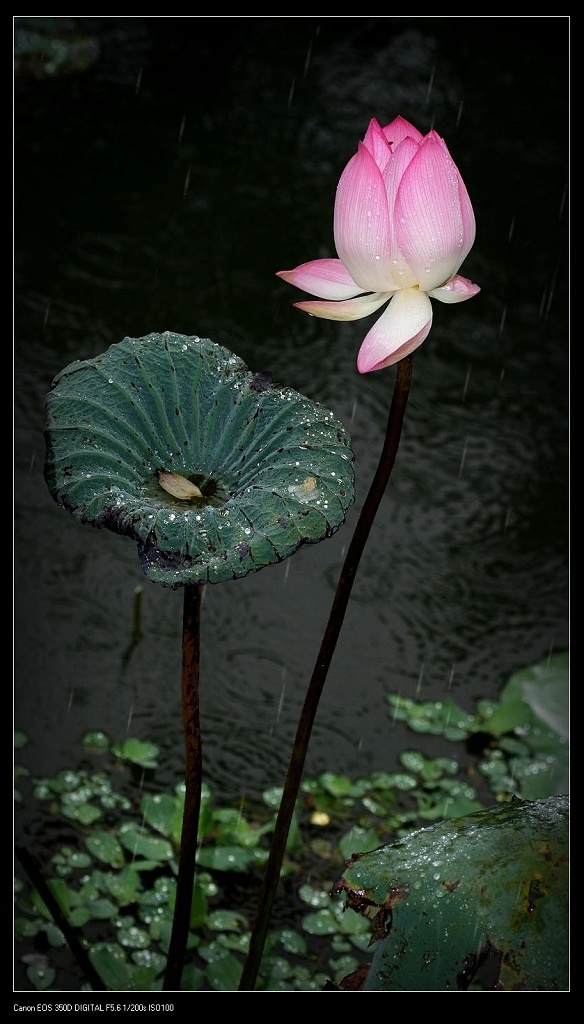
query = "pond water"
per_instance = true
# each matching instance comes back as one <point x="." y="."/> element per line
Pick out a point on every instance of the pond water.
<point x="160" y="188"/>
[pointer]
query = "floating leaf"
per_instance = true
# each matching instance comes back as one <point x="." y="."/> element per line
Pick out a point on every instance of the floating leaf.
<point x="133" y="434"/>
<point x="110" y="962"/>
<point x="95" y="740"/>
<point x="224" y="858"/>
<point x="223" y="971"/>
<point x="478" y="902"/>
<point x="226" y="920"/>
<point x="41" y="977"/>
<point x="320" y="923"/>
<point x="358" y="840"/>
<point x="544" y="687"/>
<point x="138" y="752"/>
<point x="140" y="844"/>
<point x="105" y="847"/>
<point x="159" y="812"/>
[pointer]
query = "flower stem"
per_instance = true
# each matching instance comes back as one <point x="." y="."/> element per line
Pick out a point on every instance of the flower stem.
<point x="315" y="688"/>
<point x="193" y="593"/>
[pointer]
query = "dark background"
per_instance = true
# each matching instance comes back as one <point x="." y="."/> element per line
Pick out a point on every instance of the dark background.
<point x="160" y="186"/>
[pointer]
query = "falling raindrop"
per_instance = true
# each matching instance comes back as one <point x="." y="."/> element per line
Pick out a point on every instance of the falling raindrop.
<point x="286" y="570"/>
<point x="563" y="201"/>
<point x="130" y="714"/>
<point x="182" y="128"/>
<point x="291" y="93"/>
<point x="139" y="80"/>
<point x="281" y="701"/>
<point x="451" y="678"/>
<point x="47" y="311"/>
<point x="308" y="58"/>
<point x="240" y="813"/>
<point x="511" y="229"/>
<point x="69" y="705"/>
<point x="187" y="182"/>
<point x="466" y="383"/>
<point x="135" y="850"/>
<point x="420" y="677"/>
<point x="430" y="85"/>
<point x="549" y="295"/>
<point x="502" y="321"/>
<point x="463" y="458"/>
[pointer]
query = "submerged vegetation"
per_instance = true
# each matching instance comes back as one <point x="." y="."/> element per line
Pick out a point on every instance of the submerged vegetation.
<point x="112" y="869"/>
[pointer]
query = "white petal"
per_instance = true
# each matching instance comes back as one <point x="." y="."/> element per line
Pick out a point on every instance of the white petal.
<point x="403" y="326"/>
<point x="458" y="289"/>
<point x="327" y="279"/>
<point x="350" y="309"/>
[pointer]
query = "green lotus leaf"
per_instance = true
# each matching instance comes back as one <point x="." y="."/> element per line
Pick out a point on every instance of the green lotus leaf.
<point x="250" y="470"/>
<point x="480" y="902"/>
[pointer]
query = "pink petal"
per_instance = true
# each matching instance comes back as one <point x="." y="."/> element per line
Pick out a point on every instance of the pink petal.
<point x="395" y="168"/>
<point x="456" y="290"/>
<point x="433" y="215"/>
<point x="403" y="326"/>
<point x="328" y="279"/>
<point x="351" y="309"/>
<point x="399" y="129"/>
<point x="466" y="210"/>
<point x="377" y="144"/>
<point x="362" y="224"/>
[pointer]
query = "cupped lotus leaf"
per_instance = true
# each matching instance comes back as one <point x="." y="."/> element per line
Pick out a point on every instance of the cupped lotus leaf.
<point x="478" y="902"/>
<point x="215" y="472"/>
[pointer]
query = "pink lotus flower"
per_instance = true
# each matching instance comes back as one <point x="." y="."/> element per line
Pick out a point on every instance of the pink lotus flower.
<point x="403" y="225"/>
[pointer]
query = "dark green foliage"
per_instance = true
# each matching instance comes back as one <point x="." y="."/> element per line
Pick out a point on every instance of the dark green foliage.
<point x="116" y="875"/>
<point x="478" y="902"/>
<point x="274" y="470"/>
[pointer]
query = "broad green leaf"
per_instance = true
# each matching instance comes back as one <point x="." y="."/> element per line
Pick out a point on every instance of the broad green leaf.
<point x="224" y="858"/>
<point x="263" y="469"/>
<point x="226" y="920"/>
<point x="140" y="844"/>
<point x="106" y="848"/>
<point x="124" y="886"/>
<point x="110" y="962"/>
<point x="101" y="910"/>
<point x="41" y="977"/>
<point x="159" y="811"/>
<point x="137" y="752"/>
<point x="479" y="902"/>
<point x="358" y="840"/>
<point x="545" y="689"/>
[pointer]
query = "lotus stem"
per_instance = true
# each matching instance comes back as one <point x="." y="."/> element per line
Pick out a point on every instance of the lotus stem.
<point x="71" y="935"/>
<point x="315" y="687"/>
<point x="191" y="650"/>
